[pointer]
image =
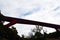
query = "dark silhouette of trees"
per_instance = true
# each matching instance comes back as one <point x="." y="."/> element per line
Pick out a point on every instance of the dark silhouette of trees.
<point x="45" y="36"/>
<point x="54" y="34"/>
<point x="8" y="33"/>
<point x="38" y="35"/>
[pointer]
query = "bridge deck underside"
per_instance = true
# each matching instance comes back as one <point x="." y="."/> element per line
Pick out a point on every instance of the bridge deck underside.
<point x="23" y="21"/>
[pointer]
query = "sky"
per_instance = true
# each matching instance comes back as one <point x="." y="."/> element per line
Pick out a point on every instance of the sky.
<point x="37" y="10"/>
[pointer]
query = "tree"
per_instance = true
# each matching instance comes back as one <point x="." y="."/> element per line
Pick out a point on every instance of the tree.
<point x="38" y="35"/>
<point x="7" y="33"/>
<point x="54" y="34"/>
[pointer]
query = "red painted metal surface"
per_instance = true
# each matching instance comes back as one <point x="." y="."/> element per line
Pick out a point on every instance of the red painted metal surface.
<point x="11" y="23"/>
<point x="24" y="21"/>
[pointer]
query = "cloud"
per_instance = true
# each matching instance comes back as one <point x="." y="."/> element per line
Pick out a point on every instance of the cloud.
<point x="38" y="10"/>
<point x="56" y="8"/>
<point x="15" y="8"/>
<point x="46" y="14"/>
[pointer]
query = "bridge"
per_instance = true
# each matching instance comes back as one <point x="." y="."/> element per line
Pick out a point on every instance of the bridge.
<point x="24" y="21"/>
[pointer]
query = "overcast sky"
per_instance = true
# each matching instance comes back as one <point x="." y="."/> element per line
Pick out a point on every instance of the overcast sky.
<point x="38" y="10"/>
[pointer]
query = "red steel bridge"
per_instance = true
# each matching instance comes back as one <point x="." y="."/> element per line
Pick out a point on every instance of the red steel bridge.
<point x="24" y="21"/>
